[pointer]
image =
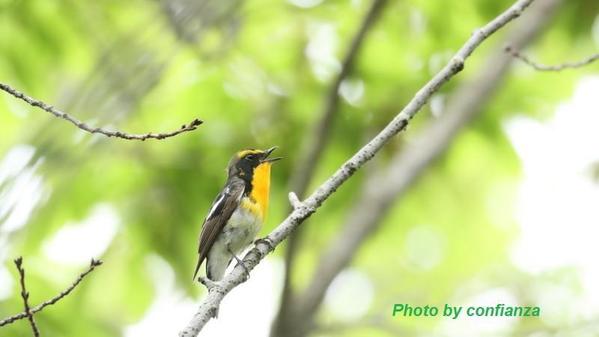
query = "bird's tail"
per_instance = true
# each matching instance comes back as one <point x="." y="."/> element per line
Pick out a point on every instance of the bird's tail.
<point x="195" y="273"/>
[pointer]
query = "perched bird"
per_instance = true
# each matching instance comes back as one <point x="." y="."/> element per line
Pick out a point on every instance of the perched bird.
<point x="237" y="212"/>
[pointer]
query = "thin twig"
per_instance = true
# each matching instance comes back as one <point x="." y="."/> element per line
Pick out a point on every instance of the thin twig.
<point x="238" y="275"/>
<point x="25" y="296"/>
<point x="93" y="264"/>
<point x="81" y="125"/>
<point x="294" y="200"/>
<point x="541" y="67"/>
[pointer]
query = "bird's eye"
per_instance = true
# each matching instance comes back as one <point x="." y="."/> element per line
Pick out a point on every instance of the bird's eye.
<point x="250" y="157"/>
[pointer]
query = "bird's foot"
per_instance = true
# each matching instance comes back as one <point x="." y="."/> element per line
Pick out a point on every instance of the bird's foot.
<point x="240" y="262"/>
<point x="208" y="283"/>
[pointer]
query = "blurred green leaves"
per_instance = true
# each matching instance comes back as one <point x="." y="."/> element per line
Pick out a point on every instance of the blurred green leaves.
<point x="138" y="66"/>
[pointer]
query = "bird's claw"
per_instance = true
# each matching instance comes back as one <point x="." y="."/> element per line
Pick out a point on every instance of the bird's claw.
<point x="240" y="262"/>
<point x="208" y="283"/>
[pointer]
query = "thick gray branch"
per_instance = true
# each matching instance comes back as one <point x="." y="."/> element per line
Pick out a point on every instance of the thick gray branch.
<point x="211" y="302"/>
<point x="81" y="125"/>
<point x="384" y="188"/>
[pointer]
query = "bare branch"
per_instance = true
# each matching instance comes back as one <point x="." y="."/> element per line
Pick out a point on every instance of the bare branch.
<point x="93" y="264"/>
<point x="541" y="67"/>
<point x="25" y="296"/>
<point x="212" y="301"/>
<point x="316" y="145"/>
<point x="294" y="200"/>
<point x="81" y="125"/>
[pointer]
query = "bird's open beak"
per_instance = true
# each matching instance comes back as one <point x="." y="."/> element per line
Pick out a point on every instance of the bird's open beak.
<point x="267" y="153"/>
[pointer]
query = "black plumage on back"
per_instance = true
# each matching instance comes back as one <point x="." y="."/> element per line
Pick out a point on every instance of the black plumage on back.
<point x="222" y="208"/>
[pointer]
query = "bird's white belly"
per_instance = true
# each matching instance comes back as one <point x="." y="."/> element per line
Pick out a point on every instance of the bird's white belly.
<point x="238" y="234"/>
<point x="240" y="230"/>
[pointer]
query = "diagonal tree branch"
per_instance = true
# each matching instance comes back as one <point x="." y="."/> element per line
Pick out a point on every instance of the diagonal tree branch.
<point x="81" y="125"/>
<point x="384" y="188"/>
<point x="209" y="306"/>
<point x="25" y="296"/>
<point x="541" y="67"/>
<point x="93" y="264"/>
<point x="307" y="164"/>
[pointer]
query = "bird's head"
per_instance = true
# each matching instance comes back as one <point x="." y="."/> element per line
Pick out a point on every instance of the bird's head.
<point x="245" y="162"/>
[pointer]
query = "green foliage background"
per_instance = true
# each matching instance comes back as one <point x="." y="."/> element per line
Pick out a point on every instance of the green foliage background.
<point x="246" y="74"/>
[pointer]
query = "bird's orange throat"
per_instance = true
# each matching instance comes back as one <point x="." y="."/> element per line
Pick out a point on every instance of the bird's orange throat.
<point x="261" y="187"/>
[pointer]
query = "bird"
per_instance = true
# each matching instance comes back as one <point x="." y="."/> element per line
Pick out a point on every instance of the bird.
<point x="237" y="213"/>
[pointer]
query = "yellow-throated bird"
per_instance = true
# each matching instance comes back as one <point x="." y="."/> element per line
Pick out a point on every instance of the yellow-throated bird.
<point x="237" y="212"/>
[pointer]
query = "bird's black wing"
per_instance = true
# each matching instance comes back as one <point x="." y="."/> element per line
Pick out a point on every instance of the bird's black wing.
<point x="222" y="208"/>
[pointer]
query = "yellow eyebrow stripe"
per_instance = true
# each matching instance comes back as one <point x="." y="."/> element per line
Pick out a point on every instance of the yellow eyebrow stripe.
<point x="244" y="153"/>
